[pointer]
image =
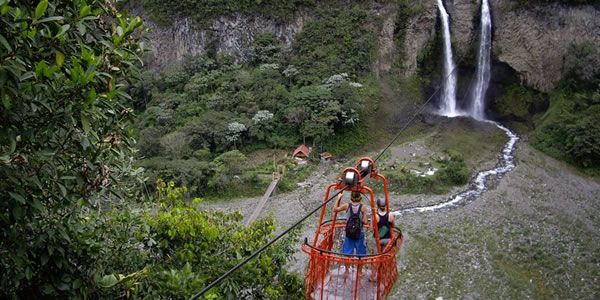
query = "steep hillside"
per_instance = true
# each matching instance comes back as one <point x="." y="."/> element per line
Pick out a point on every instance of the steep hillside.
<point x="532" y="39"/>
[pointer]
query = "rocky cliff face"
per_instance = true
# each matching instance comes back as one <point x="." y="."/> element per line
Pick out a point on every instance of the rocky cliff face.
<point x="463" y="14"/>
<point x="534" y="41"/>
<point x="232" y="33"/>
<point x="419" y="31"/>
<point x="386" y="53"/>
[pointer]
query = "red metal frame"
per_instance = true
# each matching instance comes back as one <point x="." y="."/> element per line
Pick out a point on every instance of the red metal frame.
<point x="321" y="269"/>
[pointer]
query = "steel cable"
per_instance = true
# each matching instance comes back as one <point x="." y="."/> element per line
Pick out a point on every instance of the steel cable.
<point x="218" y="280"/>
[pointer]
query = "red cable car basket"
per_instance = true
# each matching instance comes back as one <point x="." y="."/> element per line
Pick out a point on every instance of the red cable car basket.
<point x="333" y="275"/>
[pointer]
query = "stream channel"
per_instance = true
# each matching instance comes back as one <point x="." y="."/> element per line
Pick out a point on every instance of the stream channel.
<point x="477" y="186"/>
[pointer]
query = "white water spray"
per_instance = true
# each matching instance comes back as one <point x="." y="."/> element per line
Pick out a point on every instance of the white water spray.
<point x="448" y="103"/>
<point x="477" y="109"/>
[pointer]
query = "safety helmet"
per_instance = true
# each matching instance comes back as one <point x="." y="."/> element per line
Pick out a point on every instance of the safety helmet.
<point x="381" y="202"/>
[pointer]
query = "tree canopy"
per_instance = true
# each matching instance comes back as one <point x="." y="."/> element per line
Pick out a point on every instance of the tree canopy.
<point x="75" y="221"/>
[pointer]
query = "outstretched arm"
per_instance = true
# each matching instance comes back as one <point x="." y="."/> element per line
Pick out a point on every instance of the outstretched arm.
<point x="337" y="207"/>
<point x="365" y="217"/>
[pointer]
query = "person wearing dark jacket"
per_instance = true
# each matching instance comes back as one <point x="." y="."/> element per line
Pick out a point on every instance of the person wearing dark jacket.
<point x="385" y="223"/>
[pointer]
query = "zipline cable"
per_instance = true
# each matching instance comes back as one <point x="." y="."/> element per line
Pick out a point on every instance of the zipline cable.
<point x="218" y="280"/>
<point x="418" y="112"/>
<point x="262" y="249"/>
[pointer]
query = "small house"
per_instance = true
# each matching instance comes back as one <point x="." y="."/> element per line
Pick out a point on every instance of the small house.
<point x="325" y="156"/>
<point x="302" y="152"/>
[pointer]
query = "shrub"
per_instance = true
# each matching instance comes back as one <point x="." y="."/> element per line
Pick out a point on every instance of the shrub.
<point x="187" y="248"/>
<point x="570" y="130"/>
<point x="64" y="146"/>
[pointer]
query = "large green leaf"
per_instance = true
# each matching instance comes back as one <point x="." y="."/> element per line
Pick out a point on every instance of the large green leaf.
<point x="17" y="197"/>
<point x="84" y="11"/>
<point x="41" y="9"/>
<point x="108" y="281"/>
<point x="5" y="43"/>
<point x="50" y="19"/>
<point x="60" y="57"/>
<point x="85" y="124"/>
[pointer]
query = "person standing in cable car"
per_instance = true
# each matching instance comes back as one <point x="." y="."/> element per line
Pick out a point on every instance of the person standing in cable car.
<point x="385" y="223"/>
<point x="356" y="217"/>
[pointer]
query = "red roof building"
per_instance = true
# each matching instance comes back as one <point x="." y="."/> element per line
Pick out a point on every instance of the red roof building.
<point x="325" y="156"/>
<point x="301" y="152"/>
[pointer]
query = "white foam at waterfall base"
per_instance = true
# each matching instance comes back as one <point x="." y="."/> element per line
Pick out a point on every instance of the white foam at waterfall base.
<point x="478" y="185"/>
<point x="448" y="97"/>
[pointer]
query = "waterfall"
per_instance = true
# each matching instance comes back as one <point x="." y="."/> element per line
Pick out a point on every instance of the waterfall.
<point x="477" y="109"/>
<point x="448" y="101"/>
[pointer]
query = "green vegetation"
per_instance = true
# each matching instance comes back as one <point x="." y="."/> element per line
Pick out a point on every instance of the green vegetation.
<point x="570" y="129"/>
<point x="63" y="142"/>
<point x="182" y="249"/>
<point x="206" y="106"/>
<point x="164" y="11"/>
<point x="452" y="171"/>
<point x="520" y="103"/>
<point x="75" y="222"/>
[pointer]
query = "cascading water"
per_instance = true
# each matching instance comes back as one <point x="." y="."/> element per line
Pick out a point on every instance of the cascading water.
<point x="478" y="186"/>
<point x="477" y="109"/>
<point x="448" y="103"/>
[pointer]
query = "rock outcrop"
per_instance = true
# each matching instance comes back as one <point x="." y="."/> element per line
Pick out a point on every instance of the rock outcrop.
<point x="534" y="41"/>
<point x="419" y="31"/>
<point x="463" y="13"/>
<point x="233" y="34"/>
<point x="386" y="50"/>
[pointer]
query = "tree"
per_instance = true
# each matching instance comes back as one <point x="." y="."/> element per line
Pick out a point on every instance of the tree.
<point x="149" y="142"/>
<point x="202" y="83"/>
<point x="262" y="125"/>
<point x="583" y="140"/>
<point x="314" y="97"/>
<point x="235" y="132"/>
<point x="65" y="148"/>
<point x="297" y="115"/>
<point x="175" y="145"/>
<point x="227" y="165"/>
<point x="582" y="63"/>
<point x="265" y="48"/>
<point x="290" y="72"/>
<point x="141" y="91"/>
<point x="352" y="104"/>
<point x="321" y="125"/>
<point x="209" y="131"/>
<point x="189" y="248"/>
<point x="233" y="161"/>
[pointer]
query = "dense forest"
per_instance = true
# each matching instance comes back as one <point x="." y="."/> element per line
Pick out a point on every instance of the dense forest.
<point x="197" y="115"/>
<point x="75" y="220"/>
<point x="103" y="161"/>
